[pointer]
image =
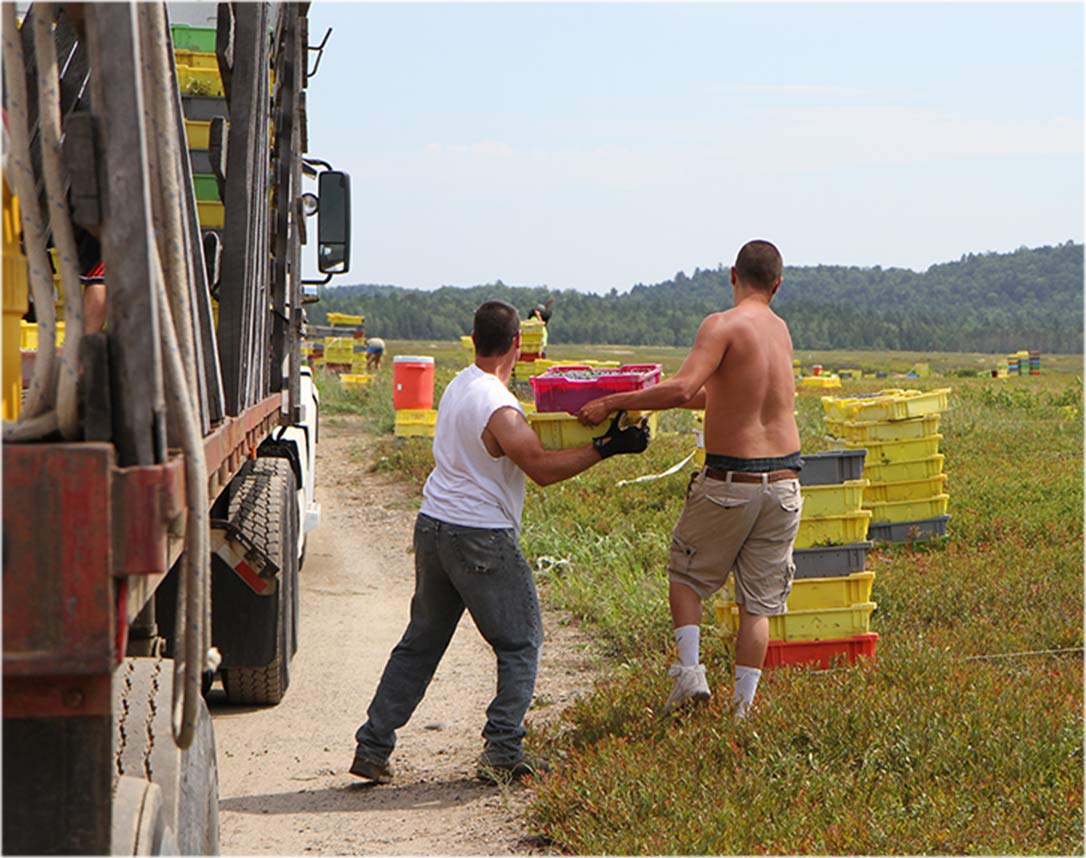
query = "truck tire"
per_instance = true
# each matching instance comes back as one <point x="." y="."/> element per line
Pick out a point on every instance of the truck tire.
<point x="186" y="781"/>
<point x="139" y="824"/>
<point x="263" y="504"/>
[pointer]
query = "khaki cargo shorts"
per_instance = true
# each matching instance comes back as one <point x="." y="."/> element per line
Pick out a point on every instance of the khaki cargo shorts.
<point x="745" y="527"/>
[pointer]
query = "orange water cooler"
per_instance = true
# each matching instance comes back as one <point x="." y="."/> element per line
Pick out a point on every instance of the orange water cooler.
<point x="412" y="382"/>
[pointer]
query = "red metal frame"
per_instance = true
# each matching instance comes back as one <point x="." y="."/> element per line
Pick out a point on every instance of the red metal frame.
<point x="85" y="545"/>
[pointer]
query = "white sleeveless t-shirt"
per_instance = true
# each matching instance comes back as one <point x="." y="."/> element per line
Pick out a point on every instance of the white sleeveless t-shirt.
<point x="468" y="486"/>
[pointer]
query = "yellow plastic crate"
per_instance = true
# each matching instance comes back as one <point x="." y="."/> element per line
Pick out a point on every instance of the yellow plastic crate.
<point x="833" y="499"/>
<point x="197" y="133"/>
<point x="904" y="490"/>
<point x="804" y="625"/>
<point x="812" y="594"/>
<point x="832" y="529"/>
<point x="467" y="344"/>
<point x="864" y="431"/>
<point x="347" y="319"/>
<point x="354" y="381"/>
<point x="339" y="349"/>
<point x="416" y="422"/>
<point x="28" y="335"/>
<point x="915" y="469"/>
<point x="892" y="452"/>
<point x="195" y="80"/>
<point x="910" y="510"/>
<point x="525" y="369"/>
<point x="887" y="405"/>
<point x="820" y="382"/>
<point x="211" y="214"/>
<point x="560" y="431"/>
<point x="196" y="59"/>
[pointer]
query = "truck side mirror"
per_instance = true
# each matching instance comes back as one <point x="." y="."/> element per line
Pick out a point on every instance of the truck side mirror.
<point x="334" y="222"/>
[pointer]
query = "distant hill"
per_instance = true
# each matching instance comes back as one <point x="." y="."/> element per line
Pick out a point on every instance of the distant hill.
<point x="990" y="302"/>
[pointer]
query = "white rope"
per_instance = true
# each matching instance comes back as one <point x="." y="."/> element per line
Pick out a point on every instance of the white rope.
<point x="545" y="565"/>
<point x="1027" y="653"/>
<point x="674" y="469"/>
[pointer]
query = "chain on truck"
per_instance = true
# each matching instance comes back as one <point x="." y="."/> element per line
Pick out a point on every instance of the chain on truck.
<point x="158" y="468"/>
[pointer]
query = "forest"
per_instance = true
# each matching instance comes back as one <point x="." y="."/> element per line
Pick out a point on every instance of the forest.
<point x="988" y="302"/>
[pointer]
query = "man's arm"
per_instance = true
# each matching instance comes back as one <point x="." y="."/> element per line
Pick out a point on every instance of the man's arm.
<point x="685" y="389"/>
<point x="509" y="430"/>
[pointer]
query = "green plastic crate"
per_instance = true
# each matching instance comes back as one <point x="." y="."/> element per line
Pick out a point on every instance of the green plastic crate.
<point x="207" y="189"/>
<point x="187" y="37"/>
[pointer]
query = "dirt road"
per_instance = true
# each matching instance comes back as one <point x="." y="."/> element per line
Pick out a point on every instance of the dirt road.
<point x="284" y="784"/>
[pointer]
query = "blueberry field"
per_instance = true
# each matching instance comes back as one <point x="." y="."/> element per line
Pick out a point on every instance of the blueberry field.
<point x="964" y="735"/>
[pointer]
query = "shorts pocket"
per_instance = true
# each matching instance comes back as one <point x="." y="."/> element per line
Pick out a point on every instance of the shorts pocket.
<point x="680" y="555"/>
<point x="728" y="502"/>
<point x="791" y="501"/>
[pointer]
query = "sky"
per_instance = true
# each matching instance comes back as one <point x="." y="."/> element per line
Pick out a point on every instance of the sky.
<point x="596" y="146"/>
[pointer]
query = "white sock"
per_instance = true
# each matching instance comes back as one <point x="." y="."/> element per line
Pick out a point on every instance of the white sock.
<point x="746" y="684"/>
<point x="689" y="640"/>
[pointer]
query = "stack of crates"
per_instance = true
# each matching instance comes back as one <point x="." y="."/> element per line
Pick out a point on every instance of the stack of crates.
<point x="202" y="100"/>
<point x="343" y="345"/>
<point x="828" y="615"/>
<point x="533" y="339"/>
<point x="1034" y="362"/>
<point x="904" y="468"/>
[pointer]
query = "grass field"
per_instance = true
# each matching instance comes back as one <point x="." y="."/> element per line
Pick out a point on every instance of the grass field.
<point x="963" y="736"/>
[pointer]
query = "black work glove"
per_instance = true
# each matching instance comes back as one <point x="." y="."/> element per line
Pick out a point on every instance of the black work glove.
<point x="631" y="439"/>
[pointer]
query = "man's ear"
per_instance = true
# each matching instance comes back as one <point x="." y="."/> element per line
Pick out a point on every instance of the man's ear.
<point x="776" y="286"/>
<point x="734" y="277"/>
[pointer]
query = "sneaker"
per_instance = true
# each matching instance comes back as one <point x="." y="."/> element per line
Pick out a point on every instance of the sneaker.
<point x="505" y="773"/>
<point x="689" y="685"/>
<point x="367" y="767"/>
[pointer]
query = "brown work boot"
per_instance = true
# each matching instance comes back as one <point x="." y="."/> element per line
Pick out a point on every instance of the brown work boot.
<point x="365" y="766"/>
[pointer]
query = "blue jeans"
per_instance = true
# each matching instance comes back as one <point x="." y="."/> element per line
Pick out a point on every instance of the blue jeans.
<point x="484" y="571"/>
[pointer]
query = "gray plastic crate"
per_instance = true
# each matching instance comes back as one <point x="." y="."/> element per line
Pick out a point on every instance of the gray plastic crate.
<point x="832" y="466"/>
<point x="907" y="531"/>
<point x="830" y="561"/>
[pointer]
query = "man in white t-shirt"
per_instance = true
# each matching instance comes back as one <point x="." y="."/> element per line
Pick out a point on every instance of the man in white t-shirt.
<point x="467" y="553"/>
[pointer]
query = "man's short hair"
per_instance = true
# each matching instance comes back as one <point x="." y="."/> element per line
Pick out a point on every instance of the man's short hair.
<point x="759" y="264"/>
<point x="496" y="325"/>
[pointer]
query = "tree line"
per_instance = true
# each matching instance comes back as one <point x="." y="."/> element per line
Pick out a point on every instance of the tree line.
<point x="989" y="302"/>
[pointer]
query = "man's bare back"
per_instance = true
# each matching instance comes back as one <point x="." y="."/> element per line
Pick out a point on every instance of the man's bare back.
<point x="749" y="408"/>
<point x="739" y="370"/>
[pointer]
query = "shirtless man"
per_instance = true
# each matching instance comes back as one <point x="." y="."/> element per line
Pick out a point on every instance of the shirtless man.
<point x="742" y="510"/>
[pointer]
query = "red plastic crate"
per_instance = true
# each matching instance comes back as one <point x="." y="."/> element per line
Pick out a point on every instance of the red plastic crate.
<point x="820" y="653"/>
<point x="554" y="392"/>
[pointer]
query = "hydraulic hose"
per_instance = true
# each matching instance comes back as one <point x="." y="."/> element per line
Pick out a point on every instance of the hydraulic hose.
<point x="191" y="600"/>
<point x="40" y="395"/>
<point x="59" y="221"/>
<point x="179" y="363"/>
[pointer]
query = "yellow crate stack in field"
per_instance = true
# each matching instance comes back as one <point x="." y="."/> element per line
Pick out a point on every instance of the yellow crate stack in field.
<point x="533" y="338"/>
<point x="903" y="465"/>
<point x="828" y="611"/>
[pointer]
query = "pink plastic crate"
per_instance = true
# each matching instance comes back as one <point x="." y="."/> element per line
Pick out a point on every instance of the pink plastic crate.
<point x="554" y="392"/>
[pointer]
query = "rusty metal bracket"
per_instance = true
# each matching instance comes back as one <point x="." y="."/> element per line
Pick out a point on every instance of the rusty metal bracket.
<point x="150" y="502"/>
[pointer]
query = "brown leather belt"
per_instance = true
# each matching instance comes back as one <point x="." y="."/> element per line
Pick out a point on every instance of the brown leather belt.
<point x="743" y="477"/>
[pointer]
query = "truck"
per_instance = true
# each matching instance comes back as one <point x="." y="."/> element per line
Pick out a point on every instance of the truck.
<point x="158" y="470"/>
